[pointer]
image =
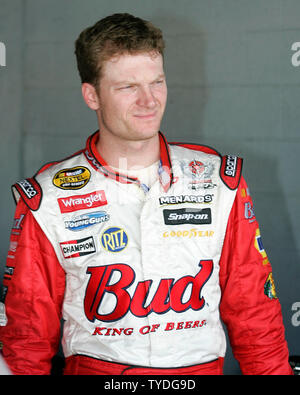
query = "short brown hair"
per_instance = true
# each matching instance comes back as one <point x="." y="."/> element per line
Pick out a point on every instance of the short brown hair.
<point x="114" y="35"/>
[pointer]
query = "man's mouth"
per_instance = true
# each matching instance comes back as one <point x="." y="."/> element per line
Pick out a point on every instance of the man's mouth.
<point x="146" y="116"/>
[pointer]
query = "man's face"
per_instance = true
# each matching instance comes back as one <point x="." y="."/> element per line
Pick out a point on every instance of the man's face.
<point x="132" y="96"/>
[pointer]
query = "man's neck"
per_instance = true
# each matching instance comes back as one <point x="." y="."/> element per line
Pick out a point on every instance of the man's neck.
<point x="125" y="154"/>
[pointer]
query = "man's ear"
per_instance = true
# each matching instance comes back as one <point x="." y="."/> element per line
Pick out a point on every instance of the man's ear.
<point x="90" y="96"/>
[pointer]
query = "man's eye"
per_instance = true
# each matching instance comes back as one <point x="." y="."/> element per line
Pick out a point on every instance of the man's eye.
<point x="126" y="87"/>
<point x="159" y="82"/>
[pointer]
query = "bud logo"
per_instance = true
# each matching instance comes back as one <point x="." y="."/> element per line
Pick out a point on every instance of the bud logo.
<point x="82" y="202"/>
<point x="179" y="296"/>
<point x="114" y="239"/>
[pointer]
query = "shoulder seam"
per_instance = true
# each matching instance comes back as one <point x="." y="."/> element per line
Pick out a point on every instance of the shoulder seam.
<point x="50" y="164"/>
<point x="198" y="147"/>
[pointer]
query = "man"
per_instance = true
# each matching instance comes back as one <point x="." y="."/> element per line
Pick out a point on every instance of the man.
<point x="141" y="245"/>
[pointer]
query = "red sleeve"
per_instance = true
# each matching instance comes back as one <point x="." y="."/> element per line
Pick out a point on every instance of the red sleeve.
<point x="249" y="305"/>
<point x="33" y="287"/>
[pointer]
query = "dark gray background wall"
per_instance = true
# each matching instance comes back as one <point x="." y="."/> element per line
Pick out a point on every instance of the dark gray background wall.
<point x="233" y="84"/>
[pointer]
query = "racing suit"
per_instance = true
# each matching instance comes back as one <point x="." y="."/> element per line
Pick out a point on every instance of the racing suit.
<point x="141" y="276"/>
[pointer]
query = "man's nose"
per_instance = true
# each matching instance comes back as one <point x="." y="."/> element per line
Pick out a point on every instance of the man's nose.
<point x="146" y="97"/>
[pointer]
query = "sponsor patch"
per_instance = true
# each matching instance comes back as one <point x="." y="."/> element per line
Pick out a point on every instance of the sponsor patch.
<point x="82" y="202"/>
<point x="230" y="165"/>
<point x="77" y="248"/>
<point x="208" y="198"/>
<point x="127" y="296"/>
<point x="17" y="225"/>
<point x="231" y="171"/>
<point x="13" y="246"/>
<point x="8" y="273"/>
<point x="74" y="178"/>
<point x="28" y="188"/>
<point x="199" y="173"/>
<point x="245" y="192"/>
<point x="114" y="239"/>
<point x="196" y="168"/>
<point x="187" y="216"/>
<point x="3" y="318"/>
<point x="30" y="192"/>
<point x="269" y="287"/>
<point x="260" y="248"/>
<point x="188" y="234"/>
<point x="249" y="212"/>
<point x="86" y="220"/>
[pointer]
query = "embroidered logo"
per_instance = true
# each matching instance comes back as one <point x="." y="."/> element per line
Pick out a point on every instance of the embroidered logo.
<point x="82" y="202"/>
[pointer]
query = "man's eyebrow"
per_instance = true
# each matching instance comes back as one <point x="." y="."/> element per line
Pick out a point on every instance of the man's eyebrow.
<point x="160" y="76"/>
<point x="122" y="82"/>
<point x="133" y="81"/>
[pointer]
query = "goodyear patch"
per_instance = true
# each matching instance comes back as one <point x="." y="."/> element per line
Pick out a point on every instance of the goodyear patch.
<point x="74" y="178"/>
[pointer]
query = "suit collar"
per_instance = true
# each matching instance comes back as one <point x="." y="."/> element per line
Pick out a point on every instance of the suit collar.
<point x="95" y="159"/>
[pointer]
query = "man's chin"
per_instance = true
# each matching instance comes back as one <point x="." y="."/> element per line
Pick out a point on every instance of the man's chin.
<point x="140" y="135"/>
<point x="144" y="132"/>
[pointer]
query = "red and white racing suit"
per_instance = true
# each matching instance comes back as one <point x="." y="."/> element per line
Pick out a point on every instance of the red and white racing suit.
<point x="141" y="276"/>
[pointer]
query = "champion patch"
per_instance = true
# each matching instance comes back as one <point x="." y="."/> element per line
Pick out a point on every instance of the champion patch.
<point x="77" y="248"/>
